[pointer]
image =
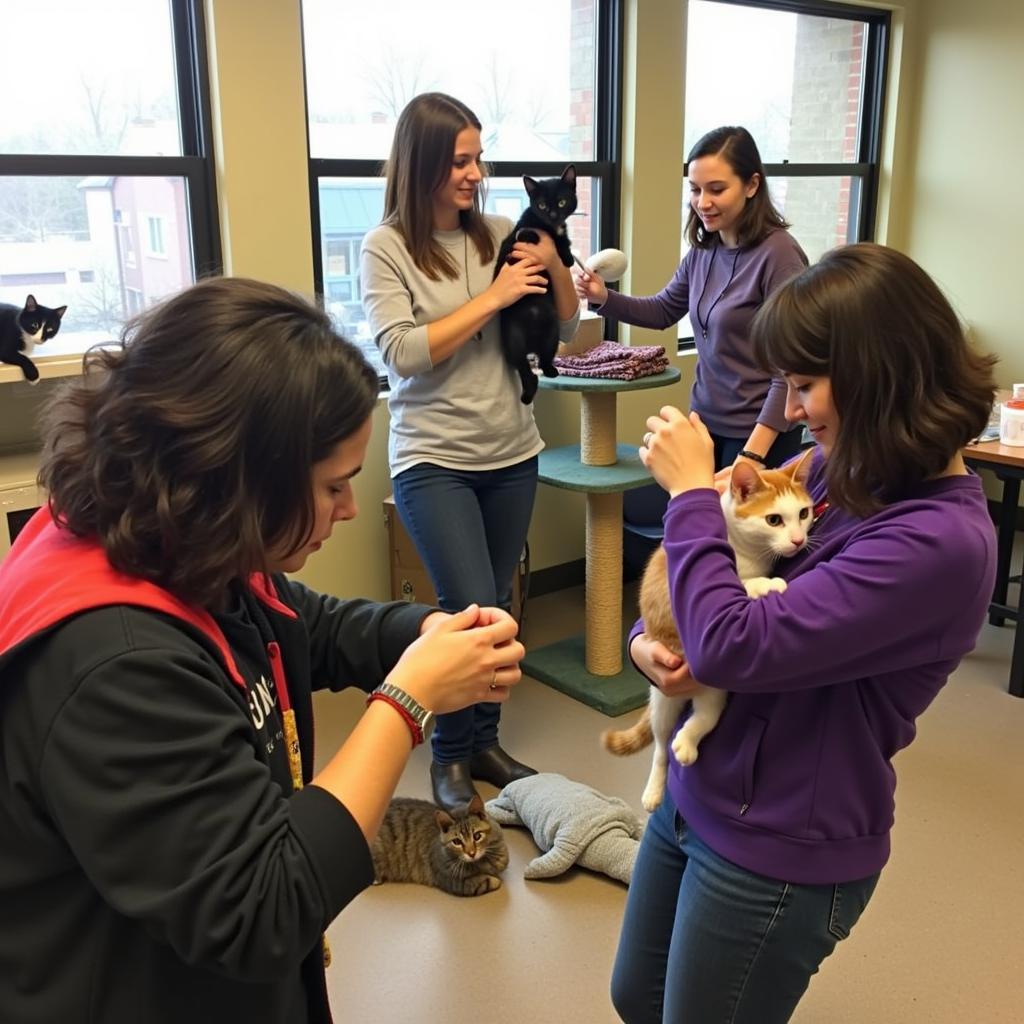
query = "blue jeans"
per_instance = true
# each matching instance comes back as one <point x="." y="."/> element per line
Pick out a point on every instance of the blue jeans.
<point x="469" y="527"/>
<point x="706" y="942"/>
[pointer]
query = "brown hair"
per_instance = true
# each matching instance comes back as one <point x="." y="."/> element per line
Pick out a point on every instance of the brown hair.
<point x="187" y="450"/>
<point x="908" y="389"/>
<point x="420" y="163"/>
<point x="759" y="218"/>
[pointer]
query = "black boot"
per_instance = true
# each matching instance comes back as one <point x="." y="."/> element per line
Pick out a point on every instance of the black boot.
<point x="452" y="786"/>
<point x="493" y="765"/>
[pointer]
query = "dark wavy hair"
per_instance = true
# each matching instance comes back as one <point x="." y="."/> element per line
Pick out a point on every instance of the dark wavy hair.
<point x="188" y="449"/>
<point x="759" y="218"/>
<point x="908" y="388"/>
<point x="419" y="164"/>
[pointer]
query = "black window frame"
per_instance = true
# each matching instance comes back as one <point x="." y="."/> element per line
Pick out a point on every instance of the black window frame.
<point x="195" y="165"/>
<point x="865" y="170"/>
<point x="603" y="168"/>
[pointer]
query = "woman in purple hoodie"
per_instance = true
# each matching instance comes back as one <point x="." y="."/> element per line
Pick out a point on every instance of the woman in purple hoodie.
<point x="766" y="850"/>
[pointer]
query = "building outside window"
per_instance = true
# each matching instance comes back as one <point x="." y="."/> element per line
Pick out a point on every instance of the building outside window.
<point x="104" y="176"/>
<point x="806" y="79"/>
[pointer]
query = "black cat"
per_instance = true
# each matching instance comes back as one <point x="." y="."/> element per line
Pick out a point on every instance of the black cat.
<point x="22" y="329"/>
<point x="531" y="323"/>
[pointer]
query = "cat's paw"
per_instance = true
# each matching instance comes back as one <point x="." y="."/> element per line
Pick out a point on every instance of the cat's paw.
<point x="651" y="799"/>
<point x="655" y="788"/>
<point x="758" y="586"/>
<point x="684" y="748"/>
<point x="485" y="884"/>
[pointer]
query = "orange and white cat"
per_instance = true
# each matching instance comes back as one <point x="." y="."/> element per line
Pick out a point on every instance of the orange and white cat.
<point x="767" y="513"/>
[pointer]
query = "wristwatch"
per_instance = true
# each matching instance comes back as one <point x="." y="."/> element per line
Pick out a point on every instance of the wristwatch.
<point x="417" y="717"/>
<point x="753" y="456"/>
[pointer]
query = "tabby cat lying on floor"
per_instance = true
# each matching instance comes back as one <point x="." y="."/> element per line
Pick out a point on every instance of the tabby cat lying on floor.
<point x="462" y="853"/>
<point x="767" y="515"/>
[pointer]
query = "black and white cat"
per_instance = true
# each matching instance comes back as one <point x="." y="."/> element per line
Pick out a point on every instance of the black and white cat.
<point x="22" y="329"/>
<point x="531" y="323"/>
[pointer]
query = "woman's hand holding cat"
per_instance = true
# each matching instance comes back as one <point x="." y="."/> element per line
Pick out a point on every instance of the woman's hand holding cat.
<point x="542" y="251"/>
<point x="723" y="478"/>
<point x="459" y="658"/>
<point x="590" y="287"/>
<point x="679" y="451"/>
<point x="515" y="280"/>
<point x="666" y="670"/>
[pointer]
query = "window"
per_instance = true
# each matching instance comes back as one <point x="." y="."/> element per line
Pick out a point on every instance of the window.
<point x="156" y="236"/>
<point x="806" y="79"/>
<point x="106" y="166"/>
<point x="539" y="94"/>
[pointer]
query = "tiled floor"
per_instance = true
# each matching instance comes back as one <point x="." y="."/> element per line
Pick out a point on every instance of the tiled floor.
<point x="940" y="942"/>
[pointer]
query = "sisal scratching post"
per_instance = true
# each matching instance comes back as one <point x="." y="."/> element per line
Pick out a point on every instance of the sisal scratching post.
<point x="604" y="584"/>
<point x="597" y="428"/>
<point x="604" y="539"/>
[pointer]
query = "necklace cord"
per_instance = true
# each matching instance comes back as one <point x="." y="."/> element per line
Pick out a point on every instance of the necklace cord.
<point x="465" y="262"/>
<point x="703" y="324"/>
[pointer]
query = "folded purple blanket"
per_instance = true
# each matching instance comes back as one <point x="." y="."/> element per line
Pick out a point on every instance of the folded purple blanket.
<point x="613" y="361"/>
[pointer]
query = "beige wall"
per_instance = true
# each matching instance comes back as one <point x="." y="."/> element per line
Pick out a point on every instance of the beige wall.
<point x="951" y="147"/>
<point x="965" y="214"/>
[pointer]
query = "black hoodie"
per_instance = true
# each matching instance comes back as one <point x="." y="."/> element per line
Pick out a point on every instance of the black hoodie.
<point x="156" y="862"/>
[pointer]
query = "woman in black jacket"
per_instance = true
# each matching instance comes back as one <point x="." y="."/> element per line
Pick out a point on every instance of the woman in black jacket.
<point x="168" y="853"/>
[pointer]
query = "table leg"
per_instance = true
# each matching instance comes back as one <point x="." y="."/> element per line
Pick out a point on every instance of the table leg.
<point x="1004" y="552"/>
<point x="604" y="584"/>
<point x="1016" y="687"/>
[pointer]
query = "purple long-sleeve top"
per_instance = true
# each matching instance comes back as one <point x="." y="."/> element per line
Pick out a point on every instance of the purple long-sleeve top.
<point x="827" y="679"/>
<point x="722" y="289"/>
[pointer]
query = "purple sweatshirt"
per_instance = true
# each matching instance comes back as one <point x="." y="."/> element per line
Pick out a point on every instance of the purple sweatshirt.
<point x="722" y="289"/>
<point x="826" y="679"/>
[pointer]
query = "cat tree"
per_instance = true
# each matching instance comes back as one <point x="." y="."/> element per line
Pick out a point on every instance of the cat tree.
<point x="590" y="668"/>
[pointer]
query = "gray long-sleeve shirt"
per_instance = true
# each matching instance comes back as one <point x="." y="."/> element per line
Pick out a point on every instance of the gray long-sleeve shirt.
<point x="465" y="412"/>
<point x="722" y="289"/>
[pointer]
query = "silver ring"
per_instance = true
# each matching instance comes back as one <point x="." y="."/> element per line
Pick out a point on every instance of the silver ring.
<point x="647" y="439"/>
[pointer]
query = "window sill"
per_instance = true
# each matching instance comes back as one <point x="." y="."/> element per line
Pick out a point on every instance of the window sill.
<point x="69" y="365"/>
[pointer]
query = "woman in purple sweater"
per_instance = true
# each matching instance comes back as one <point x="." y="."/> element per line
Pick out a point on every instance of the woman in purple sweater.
<point x="740" y="252"/>
<point x="769" y="846"/>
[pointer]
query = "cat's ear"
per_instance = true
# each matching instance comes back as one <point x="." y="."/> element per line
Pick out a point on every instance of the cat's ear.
<point x="801" y="467"/>
<point x="476" y="805"/>
<point x="30" y="304"/>
<point x="529" y="184"/>
<point x="60" y="311"/>
<point x="745" y="481"/>
<point x="444" y="819"/>
<point x="569" y="175"/>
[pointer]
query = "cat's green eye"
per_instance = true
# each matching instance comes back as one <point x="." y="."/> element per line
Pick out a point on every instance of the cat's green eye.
<point x="477" y="836"/>
<point x="773" y="520"/>
<point x="456" y="841"/>
<point x="542" y="205"/>
<point x="561" y="202"/>
<point x="805" y="512"/>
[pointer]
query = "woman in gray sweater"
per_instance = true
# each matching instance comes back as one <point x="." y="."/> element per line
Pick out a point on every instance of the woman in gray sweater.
<point x="463" y="448"/>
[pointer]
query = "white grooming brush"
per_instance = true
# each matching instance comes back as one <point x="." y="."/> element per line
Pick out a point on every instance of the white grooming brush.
<point x="610" y="264"/>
